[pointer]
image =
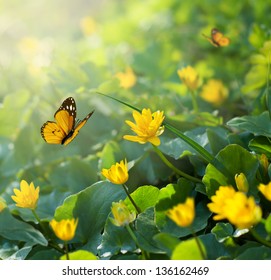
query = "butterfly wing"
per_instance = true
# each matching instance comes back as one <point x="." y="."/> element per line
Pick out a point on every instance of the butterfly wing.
<point x="57" y="132"/>
<point x="219" y="40"/>
<point x="52" y="133"/>
<point x="210" y="40"/>
<point x="66" y="114"/>
<point x="75" y="131"/>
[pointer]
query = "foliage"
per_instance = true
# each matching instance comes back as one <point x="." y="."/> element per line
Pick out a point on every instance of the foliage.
<point x="205" y="142"/>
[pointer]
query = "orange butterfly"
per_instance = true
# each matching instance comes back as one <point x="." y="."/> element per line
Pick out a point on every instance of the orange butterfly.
<point x="217" y="38"/>
<point x="66" y="127"/>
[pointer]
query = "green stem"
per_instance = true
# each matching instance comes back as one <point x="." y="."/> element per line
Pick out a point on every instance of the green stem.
<point x="45" y="230"/>
<point x="138" y="211"/>
<point x="194" y="101"/>
<point x="56" y="247"/>
<point x="259" y="238"/>
<point x="66" y="250"/>
<point x="204" y="257"/>
<point x="144" y="254"/>
<point x="36" y="216"/>
<point x="171" y="166"/>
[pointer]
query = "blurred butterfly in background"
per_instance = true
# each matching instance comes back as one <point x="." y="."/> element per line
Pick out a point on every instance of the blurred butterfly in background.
<point x="66" y="127"/>
<point x="217" y="38"/>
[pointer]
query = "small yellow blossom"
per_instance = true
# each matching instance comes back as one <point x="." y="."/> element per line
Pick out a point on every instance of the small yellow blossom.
<point x="218" y="201"/>
<point x="183" y="214"/>
<point x="121" y="213"/>
<point x="64" y="229"/>
<point x="214" y="92"/>
<point x="265" y="190"/>
<point x="189" y="77"/>
<point x="88" y="25"/>
<point x="264" y="163"/>
<point x="117" y="173"/>
<point x="147" y="126"/>
<point x="242" y="211"/>
<point x="3" y="204"/>
<point x="127" y="79"/>
<point x="241" y="182"/>
<point x="27" y="197"/>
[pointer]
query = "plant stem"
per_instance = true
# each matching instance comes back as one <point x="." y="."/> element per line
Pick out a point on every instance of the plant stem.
<point x="66" y="250"/>
<point x="45" y="230"/>
<point x="194" y="101"/>
<point x="259" y="238"/>
<point x="36" y="216"/>
<point x="144" y="254"/>
<point x="199" y="245"/>
<point x="138" y="211"/>
<point x="171" y="166"/>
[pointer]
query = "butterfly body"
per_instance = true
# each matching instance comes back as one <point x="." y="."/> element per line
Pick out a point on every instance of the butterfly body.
<point x="65" y="128"/>
<point x="217" y="38"/>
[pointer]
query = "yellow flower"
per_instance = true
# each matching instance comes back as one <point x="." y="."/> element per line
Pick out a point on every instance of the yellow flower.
<point x="121" y="213"/>
<point x="264" y="163"/>
<point x="147" y="126"/>
<point x="183" y="214"/>
<point x="218" y="201"/>
<point x="27" y="197"/>
<point x="214" y="92"/>
<point x="242" y="211"/>
<point x="64" y="229"/>
<point x="88" y="25"/>
<point x="241" y="182"/>
<point x="117" y="173"/>
<point x="3" y="204"/>
<point x="265" y="190"/>
<point x="127" y="79"/>
<point x="189" y="77"/>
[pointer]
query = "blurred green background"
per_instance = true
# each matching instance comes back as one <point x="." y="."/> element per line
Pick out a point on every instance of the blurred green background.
<point x="51" y="50"/>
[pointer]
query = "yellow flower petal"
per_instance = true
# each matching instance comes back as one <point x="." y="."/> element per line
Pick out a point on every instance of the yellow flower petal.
<point x="183" y="214"/>
<point x="27" y="196"/>
<point x="117" y="173"/>
<point x="64" y="229"/>
<point x="147" y="127"/>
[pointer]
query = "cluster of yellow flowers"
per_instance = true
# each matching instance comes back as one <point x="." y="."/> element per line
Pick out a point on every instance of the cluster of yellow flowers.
<point x="236" y="207"/>
<point x="28" y="196"/>
<point x="213" y="91"/>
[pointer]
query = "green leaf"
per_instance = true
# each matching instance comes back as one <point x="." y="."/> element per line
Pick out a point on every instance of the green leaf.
<point x="166" y="242"/>
<point x="268" y="224"/>
<point x="215" y="249"/>
<point x="188" y="250"/>
<point x="17" y="230"/>
<point x="261" y="145"/>
<point x="144" y="197"/>
<point x="93" y="205"/>
<point x="114" y="240"/>
<point x="222" y="231"/>
<point x="75" y="175"/>
<point x="217" y="139"/>
<point x="256" y="253"/>
<point x="258" y="125"/>
<point x="236" y="159"/>
<point x="110" y="154"/>
<point x="80" y="255"/>
<point x="146" y="229"/>
<point x="20" y="254"/>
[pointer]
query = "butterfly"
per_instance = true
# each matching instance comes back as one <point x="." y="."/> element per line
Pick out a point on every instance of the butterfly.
<point x="66" y="127"/>
<point x="217" y="38"/>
